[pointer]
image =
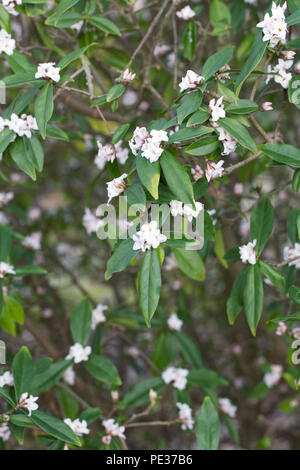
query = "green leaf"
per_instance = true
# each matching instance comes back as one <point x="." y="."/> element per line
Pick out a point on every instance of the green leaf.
<point x="43" y="108"/>
<point x="206" y="379"/>
<point x="103" y="370"/>
<point x="23" y="270"/>
<point x="262" y="221"/>
<point x="282" y="153"/>
<point x="239" y="132"/>
<point x="12" y="308"/>
<point x="121" y="257"/>
<point x="56" y="133"/>
<point x="220" y="17"/>
<point x="203" y="146"/>
<point x="190" y="40"/>
<point x="22" y="155"/>
<point x="216" y="61"/>
<point x="135" y="194"/>
<point x="90" y="415"/>
<point x="235" y="302"/>
<point x="5" y="242"/>
<point x="294" y="18"/>
<point x="81" y="322"/>
<point x="55" y="427"/>
<point x="149" y="284"/>
<point x="21" y="78"/>
<point x="185" y="134"/>
<point x="74" y="55"/>
<point x="37" y="153"/>
<point x="242" y="107"/>
<point x="149" y="174"/>
<point x="22" y="370"/>
<point x="208" y="426"/>
<point x="296" y="181"/>
<point x="200" y="116"/>
<point x="190" y="263"/>
<point x="257" y="52"/>
<point x="120" y="133"/>
<point x="190" y="350"/>
<point x="49" y="377"/>
<point x="274" y="276"/>
<point x="189" y="104"/>
<point x="254" y="297"/>
<point x="6" y="137"/>
<point x="115" y="92"/>
<point x="63" y="6"/>
<point x="294" y="293"/>
<point x="105" y="25"/>
<point x="138" y="395"/>
<point x="177" y="178"/>
<point x="4" y="19"/>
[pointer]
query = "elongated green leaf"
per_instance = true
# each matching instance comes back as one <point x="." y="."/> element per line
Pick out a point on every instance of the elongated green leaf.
<point x="189" y="40"/>
<point x="149" y="174"/>
<point x="190" y="263"/>
<point x="103" y="370"/>
<point x="105" y="25"/>
<point x="49" y="377"/>
<point x="242" y="107"/>
<point x="294" y="18"/>
<point x="294" y="293"/>
<point x="43" y="108"/>
<point x="55" y="427"/>
<point x="63" y="6"/>
<point x="254" y="297"/>
<point x="74" y="55"/>
<point x="185" y="134"/>
<point x="121" y="257"/>
<point x="81" y="322"/>
<point x="189" y="104"/>
<point x="274" y="276"/>
<point x="203" y="146"/>
<point x="262" y="221"/>
<point x="239" y="132"/>
<point x="138" y="395"/>
<point x="216" y="61"/>
<point x="257" y="52"/>
<point x="235" y="302"/>
<point x="189" y="349"/>
<point x="282" y="153"/>
<point x="149" y="284"/>
<point x="208" y="426"/>
<point x="177" y="178"/>
<point x="22" y="369"/>
<point x="4" y="19"/>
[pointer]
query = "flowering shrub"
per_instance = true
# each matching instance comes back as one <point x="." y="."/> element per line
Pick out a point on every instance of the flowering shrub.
<point x="156" y="338"/>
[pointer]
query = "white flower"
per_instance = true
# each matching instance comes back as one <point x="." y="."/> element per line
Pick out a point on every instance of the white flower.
<point x="90" y="222"/>
<point x="266" y="106"/>
<point x="116" y="187"/>
<point x="138" y="139"/>
<point x="151" y="151"/>
<point x="78" y="427"/>
<point x="216" y="109"/>
<point x="288" y="55"/>
<point x="127" y="76"/>
<point x="6" y="379"/>
<point x="28" y="402"/>
<point x="283" y="77"/>
<point x="22" y="125"/>
<point x="148" y="237"/>
<point x="113" y="429"/>
<point x="79" y="353"/>
<point x="6" y="268"/>
<point x="227" y="407"/>
<point x="224" y="73"/>
<point x="77" y="26"/>
<point x="176" y="375"/>
<point x="9" y="5"/>
<point x="33" y="241"/>
<point x="186" y="13"/>
<point x="191" y="80"/>
<point x="174" y="322"/>
<point x="106" y="440"/>
<point x="4" y="432"/>
<point x="292" y="255"/>
<point x="296" y="332"/>
<point x="274" y="27"/>
<point x="281" y="328"/>
<point x="273" y="377"/>
<point x="98" y="315"/>
<point x="106" y="153"/>
<point x="7" y="44"/>
<point x="228" y="142"/>
<point x="214" y="170"/>
<point x="197" y="172"/>
<point x="180" y="209"/>
<point x="5" y="198"/>
<point x="247" y="253"/>
<point x="69" y="376"/>
<point x="185" y="416"/>
<point x="48" y="71"/>
<point x="159" y="136"/>
<point x="121" y="153"/>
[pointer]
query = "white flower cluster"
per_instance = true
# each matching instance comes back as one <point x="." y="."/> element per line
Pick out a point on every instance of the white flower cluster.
<point x="190" y="80"/>
<point x="127" y="76"/>
<point x="78" y="427"/>
<point x="247" y="253"/>
<point x="108" y="153"/>
<point x="98" y="315"/>
<point x="185" y="416"/>
<point x="197" y="172"/>
<point x="177" y="376"/>
<point x="149" y="144"/>
<point x="4" y="432"/>
<point x="6" y="379"/>
<point x="79" y="353"/>
<point x="116" y="187"/>
<point x="7" y="44"/>
<point x="229" y="142"/>
<point x="227" y="407"/>
<point x="274" y="27"/>
<point x="90" y="222"/>
<point x="216" y="109"/>
<point x="148" y="237"/>
<point x="273" y="377"/>
<point x="292" y="255"/>
<point x="33" y="241"/>
<point x="214" y="170"/>
<point x="186" y="13"/>
<point x="6" y="268"/>
<point x="48" y="71"/>
<point x="174" y="322"/>
<point x="9" y="5"/>
<point x="28" y="402"/>
<point x="20" y="126"/>
<point x="283" y="77"/>
<point x="112" y="429"/>
<point x="281" y="328"/>
<point x="179" y="208"/>
<point x="5" y="198"/>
